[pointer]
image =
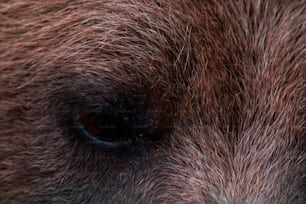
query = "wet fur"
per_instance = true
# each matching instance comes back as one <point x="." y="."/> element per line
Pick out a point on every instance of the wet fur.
<point x="227" y="79"/>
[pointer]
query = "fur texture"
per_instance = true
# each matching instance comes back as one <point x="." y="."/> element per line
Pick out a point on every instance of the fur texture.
<point x="222" y="81"/>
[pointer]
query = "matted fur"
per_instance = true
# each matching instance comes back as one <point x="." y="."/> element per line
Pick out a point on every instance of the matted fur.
<point x="227" y="77"/>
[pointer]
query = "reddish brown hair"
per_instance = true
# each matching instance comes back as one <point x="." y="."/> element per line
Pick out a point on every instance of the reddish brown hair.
<point x="221" y="84"/>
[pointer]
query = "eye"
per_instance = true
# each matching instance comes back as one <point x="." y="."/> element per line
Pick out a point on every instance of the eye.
<point x="110" y="128"/>
<point x="105" y="130"/>
<point x="119" y="125"/>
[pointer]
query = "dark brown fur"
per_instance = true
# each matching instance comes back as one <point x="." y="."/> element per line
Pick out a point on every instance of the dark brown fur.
<point x="226" y="79"/>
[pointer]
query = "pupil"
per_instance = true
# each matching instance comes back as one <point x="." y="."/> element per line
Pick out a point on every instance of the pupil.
<point x="91" y="127"/>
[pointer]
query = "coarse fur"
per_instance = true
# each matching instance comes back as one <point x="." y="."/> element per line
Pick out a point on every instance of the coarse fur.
<point x="223" y="82"/>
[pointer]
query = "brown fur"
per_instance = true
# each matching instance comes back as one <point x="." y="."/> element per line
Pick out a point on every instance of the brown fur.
<point x="226" y="79"/>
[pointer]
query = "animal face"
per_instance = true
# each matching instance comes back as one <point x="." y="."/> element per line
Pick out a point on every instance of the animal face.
<point x="152" y="101"/>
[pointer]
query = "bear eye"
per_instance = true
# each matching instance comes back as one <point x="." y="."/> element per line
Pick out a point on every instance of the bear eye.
<point x="107" y="129"/>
